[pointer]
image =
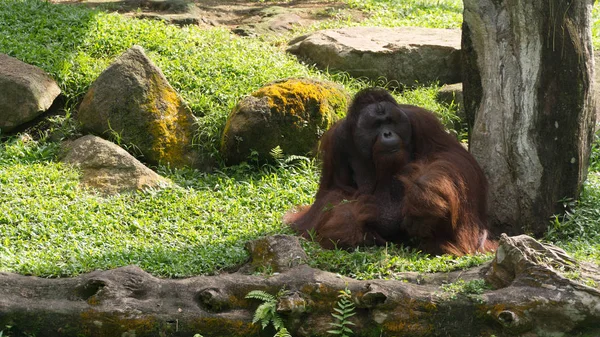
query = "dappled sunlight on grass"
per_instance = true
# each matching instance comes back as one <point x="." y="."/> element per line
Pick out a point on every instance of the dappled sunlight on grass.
<point x="579" y="230"/>
<point x="50" y="226"/>
<point x="387" y="262"/>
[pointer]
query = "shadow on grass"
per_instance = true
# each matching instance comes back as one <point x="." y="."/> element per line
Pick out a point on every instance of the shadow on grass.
<point x="45" y="35"/>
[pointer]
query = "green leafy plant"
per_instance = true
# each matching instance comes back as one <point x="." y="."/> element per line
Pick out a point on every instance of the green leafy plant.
<point x="470" y="288"/>
<point x="595" y="153"/>
<point x="266" y="313"/>
<point x="289" y="161"/>
<point x="277" y="153"/>
<point x="344" y="309"/>
<point x="282" y="333"/>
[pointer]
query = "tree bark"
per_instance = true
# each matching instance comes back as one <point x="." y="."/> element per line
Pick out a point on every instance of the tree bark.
<point x="532" y="297"/>
<point x="528" y="94"/>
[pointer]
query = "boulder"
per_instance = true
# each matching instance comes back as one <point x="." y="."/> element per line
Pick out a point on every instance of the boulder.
<point x="272" y="19"/>
<point x="132" y="103"/>
<point x="181" y="16"/>
<point x="278" y="253"/>
<point x="108" y="168"/>
<point x="291" y="114"/>
<point x="407" y="55"/>
<point x="452" y="94"/>
<point x="26" y="92"/>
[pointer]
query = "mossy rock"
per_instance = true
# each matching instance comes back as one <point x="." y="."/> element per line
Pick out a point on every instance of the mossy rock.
<point x="132" y="103"/>
<point x="292" y="114"/>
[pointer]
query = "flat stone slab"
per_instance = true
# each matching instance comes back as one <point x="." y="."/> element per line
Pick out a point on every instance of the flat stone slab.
<point x="108" y="168"/>
<point x="406" y="55"/>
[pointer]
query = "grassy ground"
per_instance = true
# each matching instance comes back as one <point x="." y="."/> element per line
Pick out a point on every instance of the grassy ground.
<point x="49" y="226"/>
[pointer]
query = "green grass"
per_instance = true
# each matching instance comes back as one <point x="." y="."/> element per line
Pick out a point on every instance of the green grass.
<point x="596" y="27"/>
<point x="50" y="226"/>
<point x="211" y="69"/>
<point x="387" y="262"/>
<point x="422" y="13"/>
<point x="382" y="13"/>
<point x="579" y="231"/>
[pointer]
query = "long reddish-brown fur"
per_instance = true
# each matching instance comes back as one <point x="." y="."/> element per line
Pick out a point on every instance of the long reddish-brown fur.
<point x="431" y="189"/>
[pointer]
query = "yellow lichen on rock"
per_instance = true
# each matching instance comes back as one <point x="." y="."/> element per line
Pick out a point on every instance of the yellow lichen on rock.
<point x="301" y="98"/>
<point x="169" y="125"/>
<point x="133" y="104"/>
<point x="290" y="114"/>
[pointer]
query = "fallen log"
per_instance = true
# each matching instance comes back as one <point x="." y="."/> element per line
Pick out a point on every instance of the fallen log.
<point x="538" y="290"/>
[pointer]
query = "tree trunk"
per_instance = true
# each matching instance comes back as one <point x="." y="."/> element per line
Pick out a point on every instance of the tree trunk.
<point x="527" y="89"/>
<point x="532" y="297"/>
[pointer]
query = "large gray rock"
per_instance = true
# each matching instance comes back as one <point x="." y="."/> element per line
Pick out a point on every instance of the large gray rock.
<point x="407" y="55"/>
<point x="108" y="168"/>
<point x="132" y="103"/>
<point x="26" y="92"/>
<point x="452" y="94"/>
<point x="272" y="19"/>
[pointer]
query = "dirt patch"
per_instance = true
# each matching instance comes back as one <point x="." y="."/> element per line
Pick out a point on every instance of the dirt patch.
<point x="241" y="16"/>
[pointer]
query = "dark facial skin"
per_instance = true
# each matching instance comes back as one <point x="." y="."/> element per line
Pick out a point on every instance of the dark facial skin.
<point x="382" y="135"/>
<point x="381" y="127"/>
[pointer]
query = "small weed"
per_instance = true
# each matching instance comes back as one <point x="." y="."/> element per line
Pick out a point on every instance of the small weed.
<point x="282" y="333"/>
<point x="578" y="230"/>
<point x="595" y="153"/>
<point x="575" y="275"/>
<point x="117" y="138"/>
<point x="471" y="288"/>
<point x="590" y="283"/>
<point x="343" y="311"/>
<point x="266" y="313"/>
<point x="24" y="149"/>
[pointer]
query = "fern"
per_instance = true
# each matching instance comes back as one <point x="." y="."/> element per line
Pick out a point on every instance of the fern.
<point x="290" y="160"/>
<point x="282" y="333"/>
<point x="267" y="312"/>
<point x="295" y="158"/>
<point x="261" y="296"/>
<point x="343" y="311"/>
<point x="276" y="153"/>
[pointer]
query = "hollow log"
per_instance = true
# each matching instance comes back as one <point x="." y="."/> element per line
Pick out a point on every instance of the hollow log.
<point x="538" y="290"/>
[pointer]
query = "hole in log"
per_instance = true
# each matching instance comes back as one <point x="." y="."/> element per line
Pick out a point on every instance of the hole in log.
<point x="212" y="300"/>
<point x="374" y="296"/>
<point x="90" y="288"/>
<point x="507" y="317"/>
